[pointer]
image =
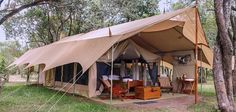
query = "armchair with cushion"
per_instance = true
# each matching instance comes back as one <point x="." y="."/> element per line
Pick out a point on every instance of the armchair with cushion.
<point x="117" y="90"/>
<point x="165" y="83"/>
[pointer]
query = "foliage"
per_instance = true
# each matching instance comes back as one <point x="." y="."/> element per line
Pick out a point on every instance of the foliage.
<point x="2" y="65"/>
<point x="181" y="4"/>
<point x="9" y="51"/>
<point x="51" y="22"/>
<point x="207" y="16"/>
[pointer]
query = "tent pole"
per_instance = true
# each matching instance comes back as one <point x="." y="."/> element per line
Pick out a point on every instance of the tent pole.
<point x="38" y="74"/>
<point x="201" y="70"/>
<point x="54" y="75"/>
<point x="112" y="50"/>
<point x="196" y="52"/>
<point x="62" y="73"/>
<point x="162" y="69"/>
<point x="74" y="77"/>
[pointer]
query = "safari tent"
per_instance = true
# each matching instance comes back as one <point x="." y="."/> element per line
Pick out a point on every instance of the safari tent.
<point x="167" y="38"/>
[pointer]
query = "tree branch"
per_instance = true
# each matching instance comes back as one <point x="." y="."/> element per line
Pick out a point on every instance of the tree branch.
<point x="1" y="2"/>
<point x="233" y="8"/>
<point x="15" y="11"/>
<point x="71" y="21"/>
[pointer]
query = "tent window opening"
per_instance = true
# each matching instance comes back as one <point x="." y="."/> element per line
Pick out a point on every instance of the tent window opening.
<point x="83" y="78"/>
<point x="68" y="73"/>
<point x="58" y="74"/>
<point x="103" y="69"/>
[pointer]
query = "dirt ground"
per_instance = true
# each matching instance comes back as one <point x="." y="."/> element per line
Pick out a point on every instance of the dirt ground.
<point x="16" y="78"/>
<point x="179" y="104"/>
<point x="20" y="79"/>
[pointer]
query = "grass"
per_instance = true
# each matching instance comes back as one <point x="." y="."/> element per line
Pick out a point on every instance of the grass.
<point x="22" y="98"/>
<point x="208" y="102"/>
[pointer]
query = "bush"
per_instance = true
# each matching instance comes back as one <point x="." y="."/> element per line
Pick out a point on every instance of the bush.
<point x="2" y="66"/>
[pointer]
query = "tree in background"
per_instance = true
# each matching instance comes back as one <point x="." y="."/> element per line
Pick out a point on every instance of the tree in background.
<point x="12" y="7"/>
<point x="47" y="23"/>
<point x="9" y="51"/>
<point x="207" y="16"/>
<point x="3" y="71"/>
<point x="2" y="65"/>
<point x="232" y="35"/>
<point x="223" y="53"/>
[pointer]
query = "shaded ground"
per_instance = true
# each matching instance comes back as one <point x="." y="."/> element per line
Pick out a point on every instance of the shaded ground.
<point x="22" y="79"/>
<point x="178" y="104"/>
<point x="128" y="101"/>
<point x="16" y="78"/>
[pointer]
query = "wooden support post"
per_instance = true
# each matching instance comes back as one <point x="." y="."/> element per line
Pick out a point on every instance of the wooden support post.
<point x="62" y="73"/>
<point x="74" y="77"/>
<point x="38" y="75"/>
<point x="54" y="75"/>
<point x="196" y="53"/>
<point x="28" y="75"/>
<point x="201" y="72"/>
<point x="112" y="56"/>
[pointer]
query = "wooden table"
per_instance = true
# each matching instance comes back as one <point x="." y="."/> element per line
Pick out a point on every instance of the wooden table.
<point x="187" y="85"/>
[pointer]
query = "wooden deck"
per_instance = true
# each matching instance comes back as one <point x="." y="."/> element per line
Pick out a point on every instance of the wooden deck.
<point x="176" y="103"/>
<point x="127" y="101"/>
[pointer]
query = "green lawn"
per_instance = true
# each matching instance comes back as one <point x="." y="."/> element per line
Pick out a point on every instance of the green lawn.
<point x="208" y="102"/>
<point x="19" y="98"/>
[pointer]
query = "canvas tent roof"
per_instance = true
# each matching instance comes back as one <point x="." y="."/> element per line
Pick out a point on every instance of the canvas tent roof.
<point x="89" y="47"/>
<point x="128" y="50"/>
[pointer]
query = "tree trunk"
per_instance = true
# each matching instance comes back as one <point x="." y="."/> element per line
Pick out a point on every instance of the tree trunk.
<point x="223" y="102"/>
<point x="1" y="86"/>
<point x="223" y="52"/>
<point x="233" y="38"/>
<point x="28" y="76"/>
<point x="27" y="79"/>
<point x="234" y="81"/>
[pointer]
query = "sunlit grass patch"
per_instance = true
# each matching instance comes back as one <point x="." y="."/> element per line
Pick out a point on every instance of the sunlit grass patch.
<point x="208" y="101"/>
<point x="22" y="98"/>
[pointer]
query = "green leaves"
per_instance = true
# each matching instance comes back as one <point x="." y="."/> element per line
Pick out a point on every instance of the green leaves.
<point x="2" y="65"/>
<point x="207" y="16"/>
<point x="48" y="23"/>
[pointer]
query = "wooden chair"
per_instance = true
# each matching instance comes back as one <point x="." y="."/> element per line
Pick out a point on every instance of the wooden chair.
<point x="165" y="83"/>
<point x="117" y="91"/>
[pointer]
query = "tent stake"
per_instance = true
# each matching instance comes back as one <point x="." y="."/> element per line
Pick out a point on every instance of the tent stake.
<point x="196" y="52"/>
